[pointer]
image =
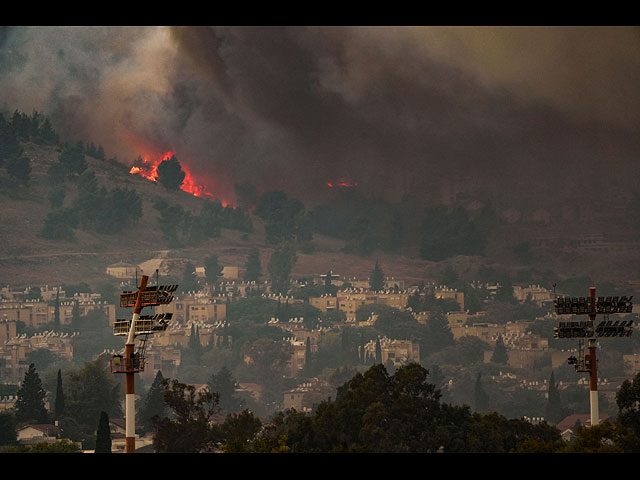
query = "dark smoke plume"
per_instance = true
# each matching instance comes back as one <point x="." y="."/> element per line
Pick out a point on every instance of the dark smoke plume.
<point x="394" y="110"/>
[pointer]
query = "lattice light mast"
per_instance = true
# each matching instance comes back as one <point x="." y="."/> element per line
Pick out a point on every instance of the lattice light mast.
<point x="588" y="330"/>
<point x="132" y="362"/>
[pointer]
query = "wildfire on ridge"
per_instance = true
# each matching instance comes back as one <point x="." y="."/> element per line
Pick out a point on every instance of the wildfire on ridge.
<point x="147" y="167"/>
<point x="341" y="183"/>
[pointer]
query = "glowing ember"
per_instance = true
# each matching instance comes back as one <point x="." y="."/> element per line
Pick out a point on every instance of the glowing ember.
<point x="341" y="184"/>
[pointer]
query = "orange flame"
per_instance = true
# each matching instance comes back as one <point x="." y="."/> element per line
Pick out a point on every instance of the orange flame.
<point x="341" y="184"/>
<point x="148" y="169"/>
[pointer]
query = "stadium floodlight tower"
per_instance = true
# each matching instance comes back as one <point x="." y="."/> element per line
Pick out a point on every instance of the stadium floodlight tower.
<point x="134" y="361"/>
<point x="588" y="330"/>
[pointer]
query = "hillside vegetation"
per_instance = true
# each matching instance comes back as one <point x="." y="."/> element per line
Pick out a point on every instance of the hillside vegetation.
<point x="113" y="215"/>
<point x="29" y="258"/>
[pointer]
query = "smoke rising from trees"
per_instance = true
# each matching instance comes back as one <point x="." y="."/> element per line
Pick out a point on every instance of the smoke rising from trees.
<point x="391" y="109"/>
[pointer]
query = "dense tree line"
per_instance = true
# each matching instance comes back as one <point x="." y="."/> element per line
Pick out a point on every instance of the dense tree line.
<point x="378" y="412"/>
<point x="367" y="223"/>
<point x="79" y="403"/>
<point x="373" y="412"/>
<point x="20" y="127"/>
<point x="181" y="227"/>
<point x="285" y="219"/>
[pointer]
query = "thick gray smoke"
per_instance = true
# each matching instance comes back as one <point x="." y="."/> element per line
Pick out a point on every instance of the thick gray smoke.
<point x="394" y="110"/>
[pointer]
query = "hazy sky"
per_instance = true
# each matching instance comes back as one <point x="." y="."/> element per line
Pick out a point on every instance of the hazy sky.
<point x="391" y="108"/>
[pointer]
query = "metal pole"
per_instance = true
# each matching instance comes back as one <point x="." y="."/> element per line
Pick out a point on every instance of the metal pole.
<point x="593" y="363"/>
<point x="130" y="411"/>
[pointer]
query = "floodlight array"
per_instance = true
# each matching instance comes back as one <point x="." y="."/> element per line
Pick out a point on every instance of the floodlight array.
<point x="574" y="330"/>
<point x="144" y="324"/>
<point x="151" y="296"/>
<point x="586" y="329"/>
<point x="584" y="305"/>
<point x="623" y="328"/>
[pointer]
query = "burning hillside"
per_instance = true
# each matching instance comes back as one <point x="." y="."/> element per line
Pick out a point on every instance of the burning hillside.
<point x="147" y="167"/>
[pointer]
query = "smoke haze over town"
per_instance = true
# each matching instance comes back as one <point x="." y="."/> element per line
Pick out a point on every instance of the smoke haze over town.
<point x="394" y="110"/>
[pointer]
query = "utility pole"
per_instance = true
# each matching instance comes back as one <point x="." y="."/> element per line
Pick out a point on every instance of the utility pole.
<point x="588" y="330"/>
<point x="133" y="361"/>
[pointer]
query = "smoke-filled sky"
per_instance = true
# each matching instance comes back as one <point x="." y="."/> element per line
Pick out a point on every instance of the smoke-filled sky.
<point x="393" y="109"/>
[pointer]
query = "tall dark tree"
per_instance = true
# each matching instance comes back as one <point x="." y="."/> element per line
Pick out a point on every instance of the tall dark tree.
<point x="8" y="428"/>
<point x="154" y="405"/>
<point x="378" y="351"/>
<point x="553" y="412"/>
<point x="500" y="352"/>
<point x="30" y="406"/>
<point x="59" y="410"/>
<point x="72" y="160"/>
<point x="9" y="143"/>
<point x="189" y="282"/>
<point x="195" y="346"/>
<point x="90" y="391"/>
<point x="75" y="314"/>
<point x="103" y="434"/>
<point x="225" y="386"/>
<point x="376" y="279"/>
<point x="628" y="401"/>
<point x="56" y="310"/>
<point x="47" y="133"/>
<point x="213" y="269"/>
<point x="307" y="357"/>
<point x="280" y="266"/>
<point x="253" y="267"/>
<point x="445" y="234"/>
<point x="281" y="216"/>
<point x="190" y="429"/>
<point x="170" y="173"/>
<point x="437" y="335"/>
<point x="481" y="399"/>
<point x="238" y="430"/>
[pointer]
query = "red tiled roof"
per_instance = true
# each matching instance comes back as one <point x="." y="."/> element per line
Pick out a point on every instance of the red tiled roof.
<point x="46" y="428"/>
<point x="570" y="421"/>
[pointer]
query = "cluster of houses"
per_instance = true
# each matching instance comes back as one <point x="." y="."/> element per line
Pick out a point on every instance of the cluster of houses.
<point x="205" y="312"/>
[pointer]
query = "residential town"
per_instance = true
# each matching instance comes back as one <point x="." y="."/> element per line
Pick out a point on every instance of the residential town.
<point x="204" y="313"/>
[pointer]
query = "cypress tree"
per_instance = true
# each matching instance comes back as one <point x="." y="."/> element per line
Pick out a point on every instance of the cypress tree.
<point x="75" y="314"/>
<point x="376" y="282"/>
<point x="103" y="435"/>
<point x="56" y="311"/>
<point x="480" y="396"/>
<point x="553" y="412"/>
<point x="378" y="351"/>
<point x="225" y="336"/>
<point x="253" y="267"/>
<point x="280" y="266"/>
<point x="307" y="357"/>
<point x="30" y="402"/>
<point x="59" y="406"/>
<point x="500" y="352"/>
<point x="225" y="386"/>
<point x="195" y="347"/>
<point x="327" y="280"/>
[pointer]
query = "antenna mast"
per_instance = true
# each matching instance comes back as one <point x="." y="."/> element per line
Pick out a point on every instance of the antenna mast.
<point x="588" y="330"/>
<point x="146" y="296"/>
